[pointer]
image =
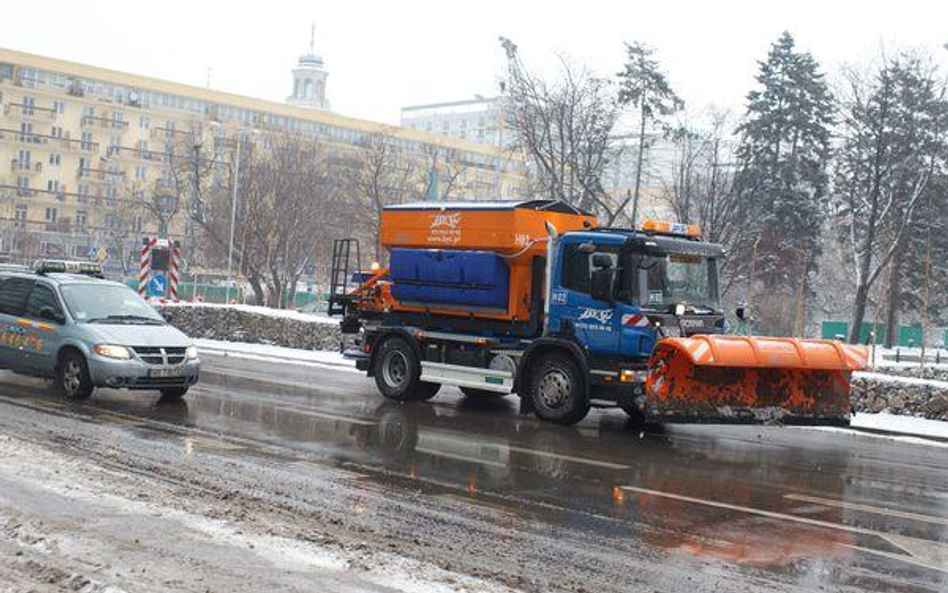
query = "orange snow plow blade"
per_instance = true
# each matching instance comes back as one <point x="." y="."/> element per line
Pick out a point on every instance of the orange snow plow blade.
<point x="743" y="379"/>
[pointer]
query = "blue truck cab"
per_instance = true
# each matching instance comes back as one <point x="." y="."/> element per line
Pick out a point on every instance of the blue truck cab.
<point x="615" y="291"/>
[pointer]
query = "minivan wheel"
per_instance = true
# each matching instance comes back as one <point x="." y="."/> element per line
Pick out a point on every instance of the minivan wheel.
<point x="72" y="377"/>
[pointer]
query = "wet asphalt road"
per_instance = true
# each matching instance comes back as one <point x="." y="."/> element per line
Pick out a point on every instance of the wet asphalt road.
<point x="471" y="484"/>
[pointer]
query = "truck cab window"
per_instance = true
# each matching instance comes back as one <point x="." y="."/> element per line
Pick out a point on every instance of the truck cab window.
<point x="576" y="269"/>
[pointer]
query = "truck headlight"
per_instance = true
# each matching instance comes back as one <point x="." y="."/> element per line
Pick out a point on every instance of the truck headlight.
<point x="112" y="351"/>
<point x="191" y="353"/>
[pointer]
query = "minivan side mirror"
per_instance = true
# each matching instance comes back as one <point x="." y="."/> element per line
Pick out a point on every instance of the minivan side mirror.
<point x="602" y="285"/>
<point x="51" y="314"/>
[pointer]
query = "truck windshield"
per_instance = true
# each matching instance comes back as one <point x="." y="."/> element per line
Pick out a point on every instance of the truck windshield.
<point x="678" y="278"/>
<point x="107" y="303"/>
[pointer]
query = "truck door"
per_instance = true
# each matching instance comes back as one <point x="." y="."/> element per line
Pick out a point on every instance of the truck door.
<point x="593" y="322"/>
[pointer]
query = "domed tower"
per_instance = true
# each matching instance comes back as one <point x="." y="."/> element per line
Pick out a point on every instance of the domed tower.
<point x="309" y="79"/>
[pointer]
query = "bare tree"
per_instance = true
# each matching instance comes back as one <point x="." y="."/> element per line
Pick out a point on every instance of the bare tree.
<point x="699" y="187"/>
<point x="444" y="170"/>
<point x="893" y="139"/>
<point x="380" y="174"/>
<point x="565" y="127"/>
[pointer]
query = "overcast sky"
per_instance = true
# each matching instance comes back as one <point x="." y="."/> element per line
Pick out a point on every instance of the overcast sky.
<point x="382" y="55"/>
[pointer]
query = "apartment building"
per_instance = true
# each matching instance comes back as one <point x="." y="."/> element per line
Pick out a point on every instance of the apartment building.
<point x="84" y="149"/>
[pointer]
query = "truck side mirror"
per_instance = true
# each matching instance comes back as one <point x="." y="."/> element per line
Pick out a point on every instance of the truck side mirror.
<point x="741" y="313"/>
<point x="602" y="285"/>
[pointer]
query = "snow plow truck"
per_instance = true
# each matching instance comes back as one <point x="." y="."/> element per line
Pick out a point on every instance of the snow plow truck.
<point x="534" y="298"/>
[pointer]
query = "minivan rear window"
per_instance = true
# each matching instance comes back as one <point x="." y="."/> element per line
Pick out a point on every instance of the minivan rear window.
<point x="13" y="295"/>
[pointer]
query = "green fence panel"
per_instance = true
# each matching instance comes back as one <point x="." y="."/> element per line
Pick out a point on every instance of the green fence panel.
<point x="831" y="329"/>
<point x="910" y="335"/>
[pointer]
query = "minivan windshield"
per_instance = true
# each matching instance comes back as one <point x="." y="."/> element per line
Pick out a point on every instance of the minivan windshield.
<point x="107" y="303"/>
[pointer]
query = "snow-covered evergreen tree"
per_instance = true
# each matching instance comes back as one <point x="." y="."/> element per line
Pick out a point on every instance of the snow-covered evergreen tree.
<point x="782" y="179"/>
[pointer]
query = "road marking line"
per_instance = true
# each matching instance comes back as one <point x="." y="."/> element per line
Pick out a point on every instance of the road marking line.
<point x="583" y="460"/>
<point x="457" y="457"/>
<point x="868" y="508"/>
<point x="891" y="538"/>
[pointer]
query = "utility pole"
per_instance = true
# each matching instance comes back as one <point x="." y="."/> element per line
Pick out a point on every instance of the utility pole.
<point x="233" y="220"/>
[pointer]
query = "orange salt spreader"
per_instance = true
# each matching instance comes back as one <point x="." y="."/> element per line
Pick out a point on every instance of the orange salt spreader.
<point x="533" y="298"/>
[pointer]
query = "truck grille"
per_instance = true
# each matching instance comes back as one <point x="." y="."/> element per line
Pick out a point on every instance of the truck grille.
<point x="160" y="355"/>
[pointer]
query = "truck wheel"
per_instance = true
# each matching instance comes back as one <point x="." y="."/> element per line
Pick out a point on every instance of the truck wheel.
<point x="397" y="372"/>
<point x="72" y="377"/>
<point x="556" y="390"/>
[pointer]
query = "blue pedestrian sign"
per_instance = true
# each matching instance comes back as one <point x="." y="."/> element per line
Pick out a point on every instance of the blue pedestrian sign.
<point x="158" y="285"/>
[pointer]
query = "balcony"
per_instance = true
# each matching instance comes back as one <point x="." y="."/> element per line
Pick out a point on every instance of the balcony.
<point x="106" y="123"/>
<point x="163" y="133"/>
<point x="53" y="142"/>
<point x="18" y="166"/>
<point x="131" y="153"/>
<point x="33" y="111"/>
<point x="99" y="175"/>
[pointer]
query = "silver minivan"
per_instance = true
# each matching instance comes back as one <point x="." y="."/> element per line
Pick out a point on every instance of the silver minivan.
<point x="64" y="321"/>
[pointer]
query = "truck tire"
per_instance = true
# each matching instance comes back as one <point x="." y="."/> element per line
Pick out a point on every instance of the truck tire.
<point x="72" y="377"/>
<point x="556" y="390"/>
<point x="397" y="371"/>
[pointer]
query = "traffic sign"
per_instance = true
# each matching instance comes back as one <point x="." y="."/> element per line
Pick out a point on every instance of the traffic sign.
<point x="157" y="285"/>
<point x="101" y="254"/>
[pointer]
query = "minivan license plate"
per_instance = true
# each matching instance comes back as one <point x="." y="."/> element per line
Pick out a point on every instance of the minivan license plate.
<point x="164" y="372"/>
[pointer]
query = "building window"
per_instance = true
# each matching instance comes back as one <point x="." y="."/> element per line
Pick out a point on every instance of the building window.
<point x="56" y="131"/>
<point x="23" y="159"/>
<point x="82" y="193"/>
<point x="51" y="214"/>
<point x="28" y="104"/>
<point x="82" y="219"/>
<point x="19" y="220"/>
<point x="88" y="112"/>
<point x="140" y="173"/>
<point x="55" y="158"/>
<point x="26" y="132"/>
<point x="86" y="141"/>
<point x="59" y="107"/>
<point x="52" y="186"/>
<point x="144" y="122"/>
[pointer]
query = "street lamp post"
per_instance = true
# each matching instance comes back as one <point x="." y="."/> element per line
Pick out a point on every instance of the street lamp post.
<point x="233" y="221"/>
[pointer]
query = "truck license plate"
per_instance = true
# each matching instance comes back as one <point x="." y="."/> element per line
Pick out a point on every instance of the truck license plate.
<point x="164" y="372"/>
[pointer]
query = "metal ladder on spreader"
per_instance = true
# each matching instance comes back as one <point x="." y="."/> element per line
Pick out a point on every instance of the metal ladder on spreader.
<point x="346" y="261"/>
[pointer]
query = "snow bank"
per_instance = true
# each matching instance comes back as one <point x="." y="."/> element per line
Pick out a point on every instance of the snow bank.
<point x="267" y="311"/>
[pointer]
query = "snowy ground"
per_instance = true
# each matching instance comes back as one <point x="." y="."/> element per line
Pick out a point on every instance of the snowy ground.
<point x="335" y="360"/>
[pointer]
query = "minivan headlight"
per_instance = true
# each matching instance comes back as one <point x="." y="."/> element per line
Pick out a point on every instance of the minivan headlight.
<point x="113" y="351"/>
<point x="191" y="352"/>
